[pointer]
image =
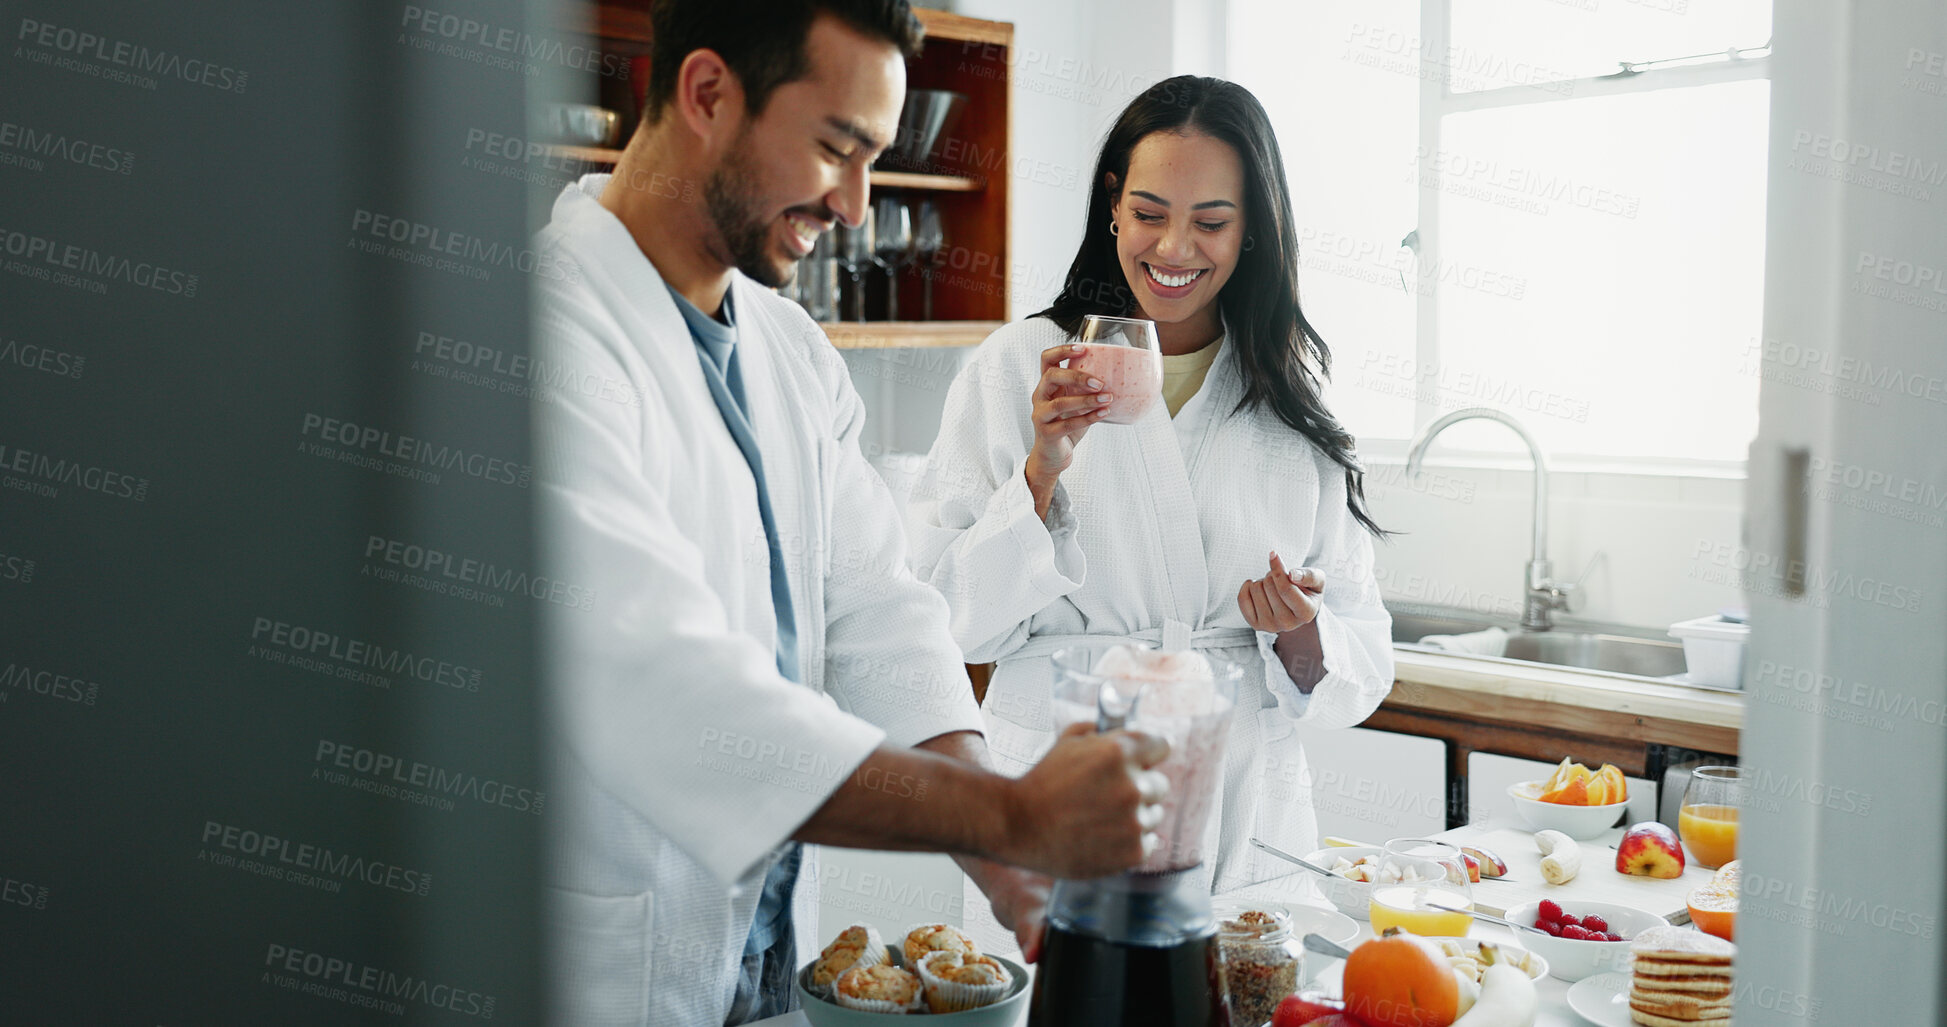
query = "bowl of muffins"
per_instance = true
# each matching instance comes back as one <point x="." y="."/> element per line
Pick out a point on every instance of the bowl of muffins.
<point x="935" y="970"/>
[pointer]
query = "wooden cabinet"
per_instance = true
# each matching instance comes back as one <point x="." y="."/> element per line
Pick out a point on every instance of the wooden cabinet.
<point x="968" y="179"/>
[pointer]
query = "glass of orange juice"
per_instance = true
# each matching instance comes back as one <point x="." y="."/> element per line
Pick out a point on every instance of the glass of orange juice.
<point x="1707" y="821"/>
<point x="1415" y="876"/>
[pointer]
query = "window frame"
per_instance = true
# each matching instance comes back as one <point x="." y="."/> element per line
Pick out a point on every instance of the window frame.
<point x="1436" y="102"/>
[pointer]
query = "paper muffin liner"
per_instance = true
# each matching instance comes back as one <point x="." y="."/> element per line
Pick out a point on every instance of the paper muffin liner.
<point x="913" y="956"/>
<point x="873" y="954"/>
<point x="943" y="996"/>
<point x="880" y="1005"/>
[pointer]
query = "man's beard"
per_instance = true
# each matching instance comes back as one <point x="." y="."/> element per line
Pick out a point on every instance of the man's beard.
<point x="730" y="197"/>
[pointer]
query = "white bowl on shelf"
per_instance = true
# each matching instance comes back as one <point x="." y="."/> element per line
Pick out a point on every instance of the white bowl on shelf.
<point x="1572" y="960"/>
<point x="1578" y="822"/>
<point x="1353" y="898"/>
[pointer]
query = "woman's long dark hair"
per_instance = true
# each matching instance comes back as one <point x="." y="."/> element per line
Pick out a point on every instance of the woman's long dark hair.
<point x="1280" y="355"/>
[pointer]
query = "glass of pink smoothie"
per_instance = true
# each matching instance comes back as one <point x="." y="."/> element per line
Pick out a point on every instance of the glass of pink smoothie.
<point x="1124" y="356"/>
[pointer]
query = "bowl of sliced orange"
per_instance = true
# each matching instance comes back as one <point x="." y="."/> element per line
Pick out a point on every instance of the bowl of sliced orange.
<point x="1575" y="800"/>
<point x="1713" y="904"/>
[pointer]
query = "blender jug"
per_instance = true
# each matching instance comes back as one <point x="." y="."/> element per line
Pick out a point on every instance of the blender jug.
<point x="1140" y="948"/>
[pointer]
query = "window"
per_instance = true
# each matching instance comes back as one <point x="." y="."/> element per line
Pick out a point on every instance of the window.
<point x="1552" y="207"/>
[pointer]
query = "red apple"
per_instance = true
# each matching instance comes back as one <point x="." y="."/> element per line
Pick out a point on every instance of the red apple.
<point x="1306" y="1007"/>
<point x="1473" y="867"/>
<point x="1650" y="849"/>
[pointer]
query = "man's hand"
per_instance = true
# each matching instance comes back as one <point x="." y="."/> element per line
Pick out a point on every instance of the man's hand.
<point x="1090" y="807"/>
<point x="1019" y="898"/>
<point x="1281" y="601"/>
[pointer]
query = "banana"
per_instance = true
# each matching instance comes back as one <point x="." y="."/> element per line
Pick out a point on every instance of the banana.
<point x="1561" y="858"/>
<point x="1507" y="999"/>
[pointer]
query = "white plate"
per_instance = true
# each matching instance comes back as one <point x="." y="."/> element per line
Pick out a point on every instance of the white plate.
<point x="1602" y="1000"/>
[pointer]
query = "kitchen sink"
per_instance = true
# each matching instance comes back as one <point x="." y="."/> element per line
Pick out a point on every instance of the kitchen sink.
<point x="1590" y="646"/>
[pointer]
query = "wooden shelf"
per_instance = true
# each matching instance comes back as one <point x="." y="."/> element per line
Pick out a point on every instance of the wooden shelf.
<point x="624" y="26"/>
<point x="937" y="183"/>
<point x="970" y="182"/>
<point x="901" y="334"/>
<point x="588" y="154"/>
<point x="880" y="179"/>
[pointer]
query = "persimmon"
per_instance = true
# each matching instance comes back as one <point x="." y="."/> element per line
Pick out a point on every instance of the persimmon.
<point x="1401" y="980"/>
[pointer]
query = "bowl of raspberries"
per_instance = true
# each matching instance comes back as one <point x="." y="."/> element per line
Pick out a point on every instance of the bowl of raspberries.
<point x="1582" y="938"/>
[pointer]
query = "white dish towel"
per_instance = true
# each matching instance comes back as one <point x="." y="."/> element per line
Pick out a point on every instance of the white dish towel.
<point x="1491" y="642"/>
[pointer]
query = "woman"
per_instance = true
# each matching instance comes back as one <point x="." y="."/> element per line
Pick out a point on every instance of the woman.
<point x="1229" y="518"/>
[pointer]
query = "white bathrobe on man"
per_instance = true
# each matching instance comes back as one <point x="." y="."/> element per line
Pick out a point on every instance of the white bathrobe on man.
<point x="683" y="758"/>
<point x="1152" y="530"/>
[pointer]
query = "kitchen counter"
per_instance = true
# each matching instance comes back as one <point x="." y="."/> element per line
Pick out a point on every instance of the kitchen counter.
<point x="1417" y="672"/>
<point x="1524" y="865"/>
<point x="1543" y="712"/>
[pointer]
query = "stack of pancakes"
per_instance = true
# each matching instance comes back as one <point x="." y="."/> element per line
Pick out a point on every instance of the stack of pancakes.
<point x="1682" y="979"/>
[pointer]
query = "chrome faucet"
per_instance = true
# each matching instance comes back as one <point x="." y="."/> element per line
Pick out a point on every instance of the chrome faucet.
<point x="1543" y="594"/>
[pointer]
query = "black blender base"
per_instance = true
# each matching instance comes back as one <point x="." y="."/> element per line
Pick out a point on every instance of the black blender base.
<point x="1088" y="982"/>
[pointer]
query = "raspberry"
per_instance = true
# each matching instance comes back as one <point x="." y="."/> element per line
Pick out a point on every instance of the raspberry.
<point x="1611" y="936"/>
<point x="1577" y="933"/>
<point x="1596" y="924"/>
<point x="1554" y="929"/>
<point x="1550" y="910"/>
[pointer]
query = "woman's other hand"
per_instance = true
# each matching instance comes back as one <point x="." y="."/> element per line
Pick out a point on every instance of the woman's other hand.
<point x="1281" y="601"/>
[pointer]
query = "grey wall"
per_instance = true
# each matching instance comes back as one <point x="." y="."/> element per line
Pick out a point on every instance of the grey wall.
<point x="199" y="569"/>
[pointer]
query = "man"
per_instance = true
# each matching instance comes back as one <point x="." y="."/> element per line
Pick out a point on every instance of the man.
<point x="759" y="668"/>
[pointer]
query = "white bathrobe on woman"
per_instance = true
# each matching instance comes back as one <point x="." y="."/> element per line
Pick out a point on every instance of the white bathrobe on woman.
<point x="1151" y="531"/>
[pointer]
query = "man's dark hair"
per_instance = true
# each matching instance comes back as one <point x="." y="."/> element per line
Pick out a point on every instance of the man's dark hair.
<point x="763" y="41"/>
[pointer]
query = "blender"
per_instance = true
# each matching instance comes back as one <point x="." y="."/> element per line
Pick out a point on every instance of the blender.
<point x="1140" y="948"/>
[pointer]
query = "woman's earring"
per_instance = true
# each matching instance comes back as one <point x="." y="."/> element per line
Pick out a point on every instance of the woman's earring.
<point x="1114" y="229"/>
<point x="1249" y="241"/>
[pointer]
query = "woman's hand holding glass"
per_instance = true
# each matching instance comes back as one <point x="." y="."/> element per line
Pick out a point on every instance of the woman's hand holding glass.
<point x="1066" y="403"/>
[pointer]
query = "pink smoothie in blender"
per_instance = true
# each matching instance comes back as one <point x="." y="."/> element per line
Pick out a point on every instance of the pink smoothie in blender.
<point x="1139" y="949"/>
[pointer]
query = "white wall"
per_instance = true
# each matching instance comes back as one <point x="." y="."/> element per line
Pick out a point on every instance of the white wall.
<point x="1467" y="539"/>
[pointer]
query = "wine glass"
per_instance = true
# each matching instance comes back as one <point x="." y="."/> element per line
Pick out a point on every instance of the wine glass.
<point x="1125" y="357"/>
<point x="854" y="253"/>
<point x="1707" y="820"/>
<point x="892" y="241"/>
<point x="1415" y="877"/>
<point x="929" y="238"/>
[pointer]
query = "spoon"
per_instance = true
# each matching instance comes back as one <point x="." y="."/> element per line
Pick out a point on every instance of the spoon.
<point x="1289" y="858"/>
<point x="1325" y="946"/>
<point x="1490" y="918"/>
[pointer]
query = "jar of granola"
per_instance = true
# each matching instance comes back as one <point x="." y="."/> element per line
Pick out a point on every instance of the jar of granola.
<point x="1259" y="959"/>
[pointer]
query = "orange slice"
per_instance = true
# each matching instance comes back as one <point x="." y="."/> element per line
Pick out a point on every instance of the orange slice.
<point x="1559" y="777"/>
<point x="1618" y="786"/>
<point x="1575" y="793"/>
<point x="1713" y="908"/>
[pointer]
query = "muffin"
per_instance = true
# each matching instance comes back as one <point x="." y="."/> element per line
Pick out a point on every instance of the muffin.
<point x="936" y="938"/>
<point x="954" y="981"/>
<point x="880" y="988"/>
<point x="855" y="946"/>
